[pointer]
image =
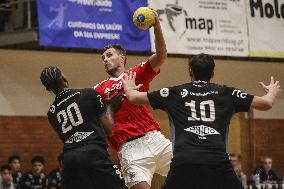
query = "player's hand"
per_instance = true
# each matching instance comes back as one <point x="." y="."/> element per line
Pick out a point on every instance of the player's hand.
<point x="274" y="86"/>
<point x="129" y="82"/>
<point x="114" y="101"/>
<point x="157" y="20"/>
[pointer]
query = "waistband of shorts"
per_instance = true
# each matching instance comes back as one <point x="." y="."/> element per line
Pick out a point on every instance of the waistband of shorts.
<point x="133" y="138"/>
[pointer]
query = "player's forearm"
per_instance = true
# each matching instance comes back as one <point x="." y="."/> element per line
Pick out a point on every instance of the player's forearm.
<point x="264" y="102"/>
<point x="160" y="44"/>
<point x="137" y="97"/>
<point x="109" y="121"/>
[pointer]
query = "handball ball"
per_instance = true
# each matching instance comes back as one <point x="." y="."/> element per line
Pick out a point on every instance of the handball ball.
<point x="144" y="18"/>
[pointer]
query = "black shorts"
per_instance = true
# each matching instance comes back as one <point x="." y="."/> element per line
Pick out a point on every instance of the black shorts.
<point x="201" y="176"/>
<point x="90" y="167"/>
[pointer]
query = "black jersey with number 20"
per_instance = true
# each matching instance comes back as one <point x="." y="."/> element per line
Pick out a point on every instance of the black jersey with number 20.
<point x="75" y="115"/>
<point x="200" y="114"/>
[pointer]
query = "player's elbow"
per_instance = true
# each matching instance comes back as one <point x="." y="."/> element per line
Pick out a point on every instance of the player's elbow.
<point x="262" y="104"/>
<point x="267" y="106"/>
<point x="161" y="57"/>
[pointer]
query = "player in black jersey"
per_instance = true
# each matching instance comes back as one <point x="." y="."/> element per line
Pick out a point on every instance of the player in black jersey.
<point x="79" y="117"/>
<point x="200" y="113"/>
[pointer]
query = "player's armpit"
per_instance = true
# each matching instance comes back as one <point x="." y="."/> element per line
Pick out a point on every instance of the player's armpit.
<point x="107" y="123"/>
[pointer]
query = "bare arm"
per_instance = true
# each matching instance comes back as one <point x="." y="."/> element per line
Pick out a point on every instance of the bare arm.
<point x="107" y="120"/>
<point x="131" y="90"/>
<point x="266" y="101"/>
<point x="113" y="104"/>
<point x="160" y="56"/>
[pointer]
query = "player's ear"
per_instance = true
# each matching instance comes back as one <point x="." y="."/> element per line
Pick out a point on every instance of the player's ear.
<point x="212" y="75"/>
<point x="65" y="80"/>
<point x="123" y="58"/>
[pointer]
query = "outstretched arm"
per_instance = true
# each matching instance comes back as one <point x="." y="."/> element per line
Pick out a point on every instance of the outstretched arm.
<point x="160" y="56"/>
<point x="131" y="90"/>
<point x="266" y="101"/>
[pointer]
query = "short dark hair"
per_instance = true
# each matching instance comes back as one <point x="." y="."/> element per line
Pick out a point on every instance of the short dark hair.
<point x="119" y="49"/>
<point x="13" y="157"/>
<point x="50" y="77"/>
<point x="39" y="159"/>
<point x="202" y="66"/>
<point x="5" y="167"/>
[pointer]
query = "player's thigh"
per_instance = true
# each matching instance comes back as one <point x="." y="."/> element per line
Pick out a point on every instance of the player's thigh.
<point x="75" y="176"/>
<point x="181" y="177"/>
<point x="108" y="176"/>
<point x="220" y="176"/>
<point x="164" y="158"/>
<point x="138" y="164"/>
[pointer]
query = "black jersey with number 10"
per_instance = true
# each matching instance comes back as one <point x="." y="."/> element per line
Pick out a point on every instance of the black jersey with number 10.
<point x="200" y="115"/>
<point x="75" y="115"/>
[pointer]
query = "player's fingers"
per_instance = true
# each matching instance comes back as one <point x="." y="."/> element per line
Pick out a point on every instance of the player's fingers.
<point x="271" y="80"/>
<point x="276" y="83"/>
<point x="138" y="87"/>
<point x="134" y="76"/>
<point x="262" y="84"/>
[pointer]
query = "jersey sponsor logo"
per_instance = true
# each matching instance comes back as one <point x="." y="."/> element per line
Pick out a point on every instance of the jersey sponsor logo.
<point x="115" y="86"/>
<point x="202" y="131"/>
<point x="78" y="137"/>
<point x="203" y="94"/>
<point x="67" y="98"/>
<point x="164" y="92"/>
<point x="239" y="93"/>
<point x="184" y="93"/>
<point x="52" y="109"/>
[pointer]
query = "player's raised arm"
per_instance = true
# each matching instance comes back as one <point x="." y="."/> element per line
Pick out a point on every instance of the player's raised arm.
<point x="266" y="101"/>
<point x="131" y="90"/>
<point x="160" y="56"/>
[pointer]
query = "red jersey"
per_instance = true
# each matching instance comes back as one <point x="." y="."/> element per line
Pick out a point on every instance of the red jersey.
<point x="130" y="120"/>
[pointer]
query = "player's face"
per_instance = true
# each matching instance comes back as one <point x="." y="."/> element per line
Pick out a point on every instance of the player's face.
<point x="37" y="168"/>
<point x="267" y="164"/>
<point x="15" y="165"/>
<point x="234" y="161"/>
<point x="6" y="176"/>
<point x="112" y="60"/>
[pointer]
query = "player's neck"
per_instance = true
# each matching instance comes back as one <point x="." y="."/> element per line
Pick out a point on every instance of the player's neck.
<point x="117" y="73"/>
<point x="61" y="91"/>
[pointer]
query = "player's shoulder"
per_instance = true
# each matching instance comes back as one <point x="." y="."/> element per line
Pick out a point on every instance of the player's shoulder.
<point x="176" y="90"/>
<point x="101" y="84"/>
<point x="139" y="65"/>
<point x="217" y="86"/>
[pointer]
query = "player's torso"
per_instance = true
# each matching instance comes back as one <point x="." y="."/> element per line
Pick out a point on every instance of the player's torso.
<point x="201" y="114"/>
<point x="74" y="118"/>
<point x="130" y="120"/>
<point x="128" y="112"/>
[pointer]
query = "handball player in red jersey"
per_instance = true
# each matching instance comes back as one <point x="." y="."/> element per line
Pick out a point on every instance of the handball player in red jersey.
<point x="142" y="148"/>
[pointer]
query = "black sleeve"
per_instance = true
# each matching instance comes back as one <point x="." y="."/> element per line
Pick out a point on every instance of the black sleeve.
<point x="276" y="176"/>
<point x="25" y="182"/>
<point x="98" y="102"/>
<point x="241" y="100"/>
<point x="159" y="99"/>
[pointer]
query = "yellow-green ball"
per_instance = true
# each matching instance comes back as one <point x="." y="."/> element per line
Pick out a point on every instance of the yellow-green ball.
<point x="144" y="18"/>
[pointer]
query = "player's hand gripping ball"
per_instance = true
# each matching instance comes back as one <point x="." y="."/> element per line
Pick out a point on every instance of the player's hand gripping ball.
<point x="144" y="18"/>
